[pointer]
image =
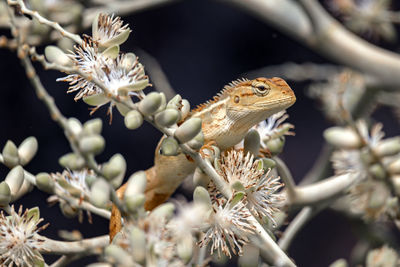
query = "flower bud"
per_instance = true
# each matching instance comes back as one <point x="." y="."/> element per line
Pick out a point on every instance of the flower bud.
<point x="14" y="179"/>
<point x="72" y="161"/>
<point x="342" y="137"/>
<point x="387" y="147"/>
<point x="184" y="248"/>
<point x="67" y="210"/>
<point x="396" y="183"/>
<point x="167" y="117"/>
<point x="111" y="52"/>
<point x="188" y="130"/>
<point x="75" y="126"/>
<point x="394" y="166"/>
<point x="116" y="40"/>
<point x="136" y="184"/>
<point x="134" y="202"/>
<point x="276" y="145"/>
<point x="5" y="194"/>
<point x="201" y="196"/>
<point x="252" y="142"/>
<point x="93" y="127"/>
<point x="266" y="164"/>
<point x="133" y="120"/>
<point x="118" y="255"/>
<point x="93" y="144"/>
<point x="27" y="150"/>
<point x="185" y="109"/>
<point x="200" y="178"/>
<point x="96" y="99"/>
<point x="175" y="102"/>
<point x="45" y="183"/>
<point x="150" y="103"/>
<point x="100" y="193"/>
<point x="56" y="55"/>
<point x="163" y="104"/>
<point x="10" y="154"/>
<point x="114" y="169"/>
<point x="169" y="147"/>
<point x="165" y="210"/>
<point x="197" y="142"/>
<point x="138" y="240"/>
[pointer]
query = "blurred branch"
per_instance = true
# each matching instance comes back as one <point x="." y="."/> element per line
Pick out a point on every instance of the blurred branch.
<point x="307" y="22"/>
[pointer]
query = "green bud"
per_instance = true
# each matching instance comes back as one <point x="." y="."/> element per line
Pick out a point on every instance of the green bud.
<point x="133" y="120"/>
<point x="138" y="240"/>
<point x="14" y="179"/>
<point x="27" y="150"/>
<point x="169" y="147"/>
<point x="387" y="147"/>
<point x="184" y="248"/>
<point x="167" y="117"/>
<point x="93" y="127"/>
<point x="201" y="196"/>
<point x="252" y="142"/>
<point x="68" y="211"/>
<point x="136" y="184"/>
<point x="134" y="202"/>
<point x="165" y="210"/>
<point x="150" y="103"/>
<point x="96" y="99"/>
<point x="266" y="163"/>
<point x="5" y="194"/>
<point x="175" y="102"/>
<point x="75" y="126"/>
<point x="200" y="178"/>
<point x="276" y="145"/>
<point x="45" y="183"/>
<point x="188" y="130"/>
<point x="197" y="142"/>
<point x="114" y="170"/>
<point x="342" y="137"/>
<point x="10" y="154"/>
<point x="163" y="104"/>
<point x="185" y="109"/>
<point x="93" y="144"/>
<point x="118" y="255"/>
<point x="72" y="161"/>
<point x="100" y="193"/>
<point x="56" y="55"/>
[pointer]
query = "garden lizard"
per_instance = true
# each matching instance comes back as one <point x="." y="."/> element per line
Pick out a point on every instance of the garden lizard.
<point x="225" y="121"/>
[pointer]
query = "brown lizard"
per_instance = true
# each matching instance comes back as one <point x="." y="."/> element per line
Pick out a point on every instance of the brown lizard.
<point x="225" y="121"/>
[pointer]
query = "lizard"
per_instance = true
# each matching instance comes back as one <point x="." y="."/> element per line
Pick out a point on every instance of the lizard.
<point x="225" y="121"/>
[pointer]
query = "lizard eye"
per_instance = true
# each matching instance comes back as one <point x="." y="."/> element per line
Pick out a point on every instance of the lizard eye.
<point x="261" y="89"/>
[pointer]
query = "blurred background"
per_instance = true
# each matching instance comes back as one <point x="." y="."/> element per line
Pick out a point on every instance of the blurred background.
<point x="201" y="45"/>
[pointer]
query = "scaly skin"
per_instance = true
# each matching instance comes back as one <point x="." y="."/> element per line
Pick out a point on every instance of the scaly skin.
<point x="225" y="120"/>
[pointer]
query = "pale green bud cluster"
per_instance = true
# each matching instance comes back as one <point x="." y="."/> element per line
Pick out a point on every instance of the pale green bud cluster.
<point x="134" y="194"/>
<point x="22" y="155"/>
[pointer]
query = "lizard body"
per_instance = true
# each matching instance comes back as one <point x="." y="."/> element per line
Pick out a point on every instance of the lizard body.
<point x="225" y="120"/>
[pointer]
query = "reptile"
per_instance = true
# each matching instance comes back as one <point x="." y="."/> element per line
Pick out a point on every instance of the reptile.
<point x="225" y="121"/>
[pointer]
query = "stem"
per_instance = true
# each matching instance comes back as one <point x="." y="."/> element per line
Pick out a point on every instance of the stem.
<point x="287" y="177"/>
<point x="90" y="246"/>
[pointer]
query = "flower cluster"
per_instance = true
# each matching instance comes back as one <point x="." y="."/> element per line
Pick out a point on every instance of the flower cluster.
<point x="98" y="60"/>
<point x="19" y="242"/>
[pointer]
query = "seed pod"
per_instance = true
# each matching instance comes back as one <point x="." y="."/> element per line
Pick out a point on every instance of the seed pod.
<point x="93" y="127"/>
<point x="252" y="142"/>
<point x="167" y="117"/>
<point x="387" y="147"/>
<point x="342" y="137"/>
<point x="114" y="169"/>
<point x="150" y="103"/>
<point x="27" y="150"/>
<point x="100" y="193"/>
<point x="56" y="55"/>
<point x="169" y="147"/>
<point x="201" y="196"/>
<point x="93" y="144"/>
<point x="45" y="183"/>
<point x="72" y="161"/>
<point x="188" y="130"/>
<point x="14" y="179"/>
<point x="133" y="120"/>
<point x="138" y="240"/>
<point x="5" y="194"/>
<point x="10" y="154"/>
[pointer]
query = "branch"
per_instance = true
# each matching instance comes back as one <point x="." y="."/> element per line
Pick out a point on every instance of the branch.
<point x="90" y="246"/>
<point x="314" y="27"/>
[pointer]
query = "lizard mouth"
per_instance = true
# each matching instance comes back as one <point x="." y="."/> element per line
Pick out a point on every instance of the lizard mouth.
<point x="282" y="103"/>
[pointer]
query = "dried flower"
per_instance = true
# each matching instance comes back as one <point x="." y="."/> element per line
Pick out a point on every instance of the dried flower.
<point x="19" y="242"/>
<point x="228" y="225"/>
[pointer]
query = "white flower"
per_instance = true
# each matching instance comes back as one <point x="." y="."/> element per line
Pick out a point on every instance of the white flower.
<point x="19" y="242"/>
<point x="228" y="228"/>
<point x="273" y="127"/>
<point x="262" y="190"/>
<point x="108" y="31"/>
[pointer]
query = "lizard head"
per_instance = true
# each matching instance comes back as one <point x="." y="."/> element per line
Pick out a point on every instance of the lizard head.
<point x="259" y="98"/>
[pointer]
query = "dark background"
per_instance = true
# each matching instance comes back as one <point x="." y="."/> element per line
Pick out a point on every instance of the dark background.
<point x="201" y="45"/>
